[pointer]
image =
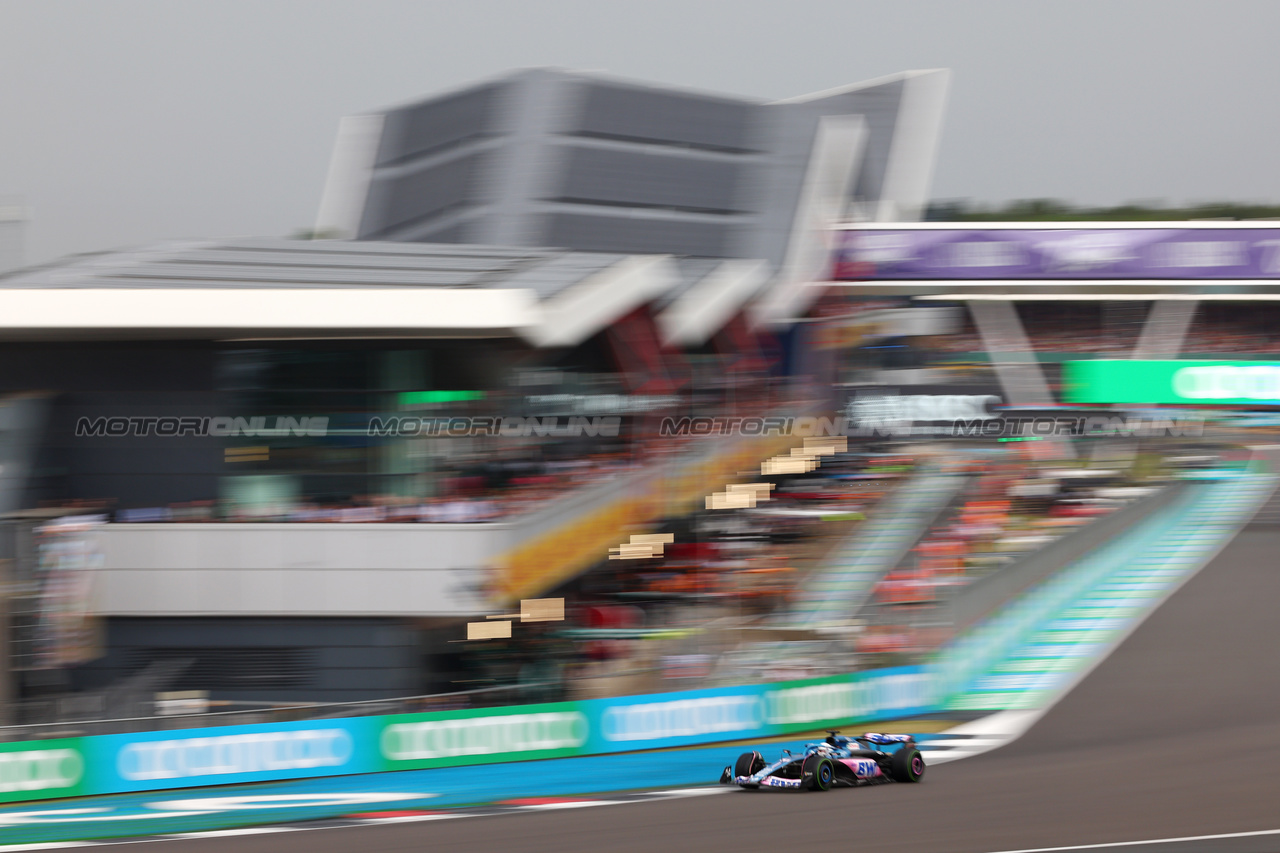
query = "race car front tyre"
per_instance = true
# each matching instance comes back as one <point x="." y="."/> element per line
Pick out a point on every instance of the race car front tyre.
<point x="821" y="772"/>
<point x="906" y="765"/>
<point x="749" y="764"/>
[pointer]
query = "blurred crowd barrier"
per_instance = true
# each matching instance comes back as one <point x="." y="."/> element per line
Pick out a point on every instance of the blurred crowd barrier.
<point x="1013" y="511"/>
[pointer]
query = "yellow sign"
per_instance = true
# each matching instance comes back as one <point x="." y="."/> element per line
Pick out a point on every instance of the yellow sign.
<point x="553" y="558"/>
<point x="844" y="335"/>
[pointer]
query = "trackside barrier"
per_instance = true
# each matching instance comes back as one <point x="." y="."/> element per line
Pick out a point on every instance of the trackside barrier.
<point x="149" y="761"/>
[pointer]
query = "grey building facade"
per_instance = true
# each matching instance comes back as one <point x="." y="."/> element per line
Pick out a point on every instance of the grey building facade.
<point x="592" y="163"/>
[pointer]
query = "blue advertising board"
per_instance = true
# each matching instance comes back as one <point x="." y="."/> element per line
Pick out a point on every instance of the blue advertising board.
<point x="658" y="721"/>
<point x="148" y="761"/>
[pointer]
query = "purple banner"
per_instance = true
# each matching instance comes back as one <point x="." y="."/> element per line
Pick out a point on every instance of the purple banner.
<point x="1098" y="253"/>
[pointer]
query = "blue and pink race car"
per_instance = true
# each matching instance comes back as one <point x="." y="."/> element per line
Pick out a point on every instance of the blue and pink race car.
<point x="839" y="760"/>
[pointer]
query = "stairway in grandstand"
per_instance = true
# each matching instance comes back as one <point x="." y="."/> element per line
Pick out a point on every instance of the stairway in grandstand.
<point x="835" y="590"/>
<point x="1267" y="518"/>
<point x="1042" y="643"/>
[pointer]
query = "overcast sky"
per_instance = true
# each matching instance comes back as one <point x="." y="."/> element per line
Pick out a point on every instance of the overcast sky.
<point x="124" y="122"/>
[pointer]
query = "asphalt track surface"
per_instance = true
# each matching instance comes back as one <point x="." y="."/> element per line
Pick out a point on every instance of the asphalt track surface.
<point x="1176" y="734"/>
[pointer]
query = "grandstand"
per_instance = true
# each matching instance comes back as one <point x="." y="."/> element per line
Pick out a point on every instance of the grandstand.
<point x="219" y="410"/>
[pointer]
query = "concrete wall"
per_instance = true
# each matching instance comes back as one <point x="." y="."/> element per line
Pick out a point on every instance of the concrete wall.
<point x="292" y="569"/>
<point x="318" y="569"/>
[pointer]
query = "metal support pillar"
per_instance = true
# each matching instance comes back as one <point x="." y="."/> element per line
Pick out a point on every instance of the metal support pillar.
<point x="1011" y="353"/>
<point x="1165" y="329"/>
<point x="1014" y="359"/>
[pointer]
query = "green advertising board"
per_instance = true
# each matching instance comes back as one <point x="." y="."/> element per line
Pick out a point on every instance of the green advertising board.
<point x="41" y="770"/>
<point x="483" y="736"/>
<point x="1204" y="383"/>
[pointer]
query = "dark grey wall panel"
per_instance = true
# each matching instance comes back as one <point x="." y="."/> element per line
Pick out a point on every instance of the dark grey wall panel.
<point x="674" y="118"/>
<point x="96" y="380"/>
<point x="435" y="125"/>
<point x="646" y="180"/>
<point x="132" y="471"/>
<point x="638" y="236"/>
<point x="314" y="660"/>
<point x="107" y="367"/>
<point x="406" y="200"/>
<point x="772" y="189"/>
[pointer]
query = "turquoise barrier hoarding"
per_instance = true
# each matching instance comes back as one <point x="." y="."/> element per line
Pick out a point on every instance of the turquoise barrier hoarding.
<point x="149" y="761"/>
<point x="753" y="711"/>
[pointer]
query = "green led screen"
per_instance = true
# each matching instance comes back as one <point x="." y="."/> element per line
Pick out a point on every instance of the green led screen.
<point x="1213" y="383"/>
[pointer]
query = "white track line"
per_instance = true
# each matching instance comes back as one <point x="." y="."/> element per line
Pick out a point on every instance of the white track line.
<point x="408" y="818"/>
<point x="1147" y="841"/>
<point x="983" y="735"/>
<point x="356" y="823"/>
<point x="575" y="804"/>
<point x="231" y="833"/>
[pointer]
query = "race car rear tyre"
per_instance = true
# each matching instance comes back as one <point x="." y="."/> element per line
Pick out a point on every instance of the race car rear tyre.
<point x="821" y="772"/>
<point x="906" y="765"/>
<point x="749" y="764"/>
